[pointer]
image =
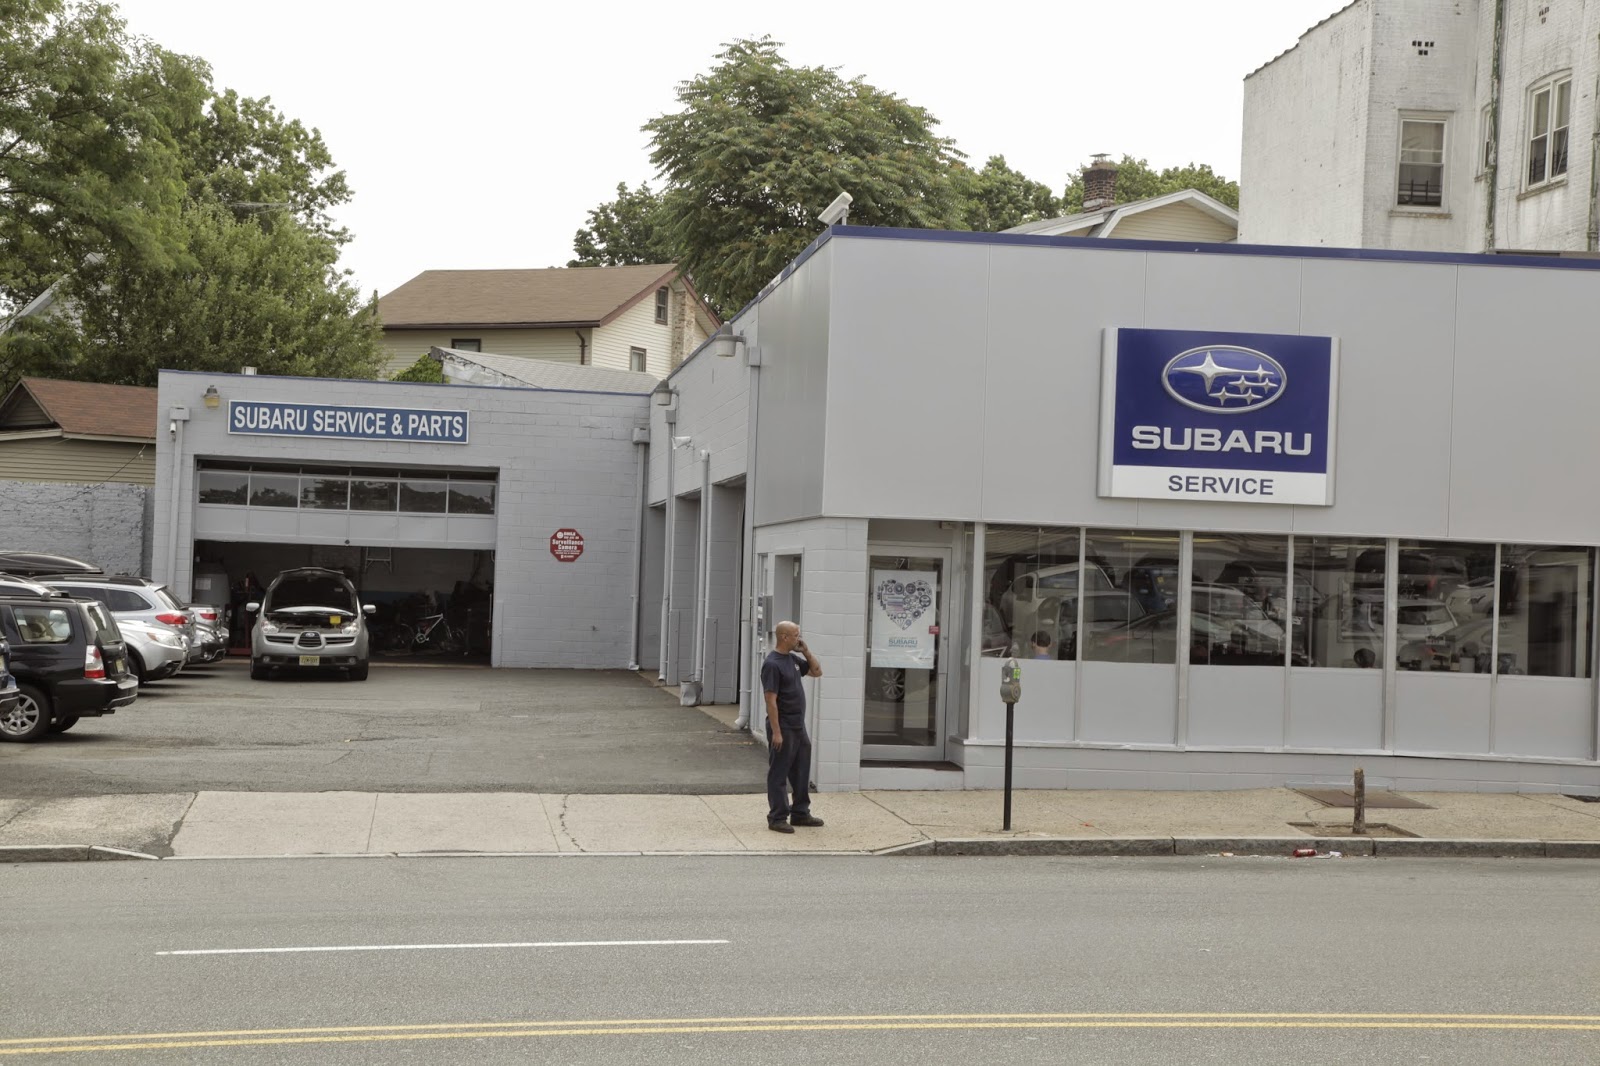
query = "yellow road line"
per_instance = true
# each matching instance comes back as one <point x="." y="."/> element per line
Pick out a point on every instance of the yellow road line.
<point x="823" y="1023"/>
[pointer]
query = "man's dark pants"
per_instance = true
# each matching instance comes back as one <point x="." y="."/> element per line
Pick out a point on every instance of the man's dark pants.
<point x="788" y="769"/>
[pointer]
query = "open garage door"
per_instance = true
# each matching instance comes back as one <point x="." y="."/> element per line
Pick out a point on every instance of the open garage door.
<point x="431" y="602"/>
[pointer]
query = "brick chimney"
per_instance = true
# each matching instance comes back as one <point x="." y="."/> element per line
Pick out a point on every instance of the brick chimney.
<point x="1099" y="184"/>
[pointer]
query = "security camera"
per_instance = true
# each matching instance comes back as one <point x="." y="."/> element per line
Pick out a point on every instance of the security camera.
<point x="837" y="212"/>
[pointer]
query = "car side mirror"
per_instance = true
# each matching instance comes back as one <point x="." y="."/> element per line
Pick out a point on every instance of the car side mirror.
<point x="252" y="607"/>
<point x="369" y="608"/>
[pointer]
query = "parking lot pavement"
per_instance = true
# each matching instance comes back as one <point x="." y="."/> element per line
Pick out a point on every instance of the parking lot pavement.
<point x="406" y="729"/>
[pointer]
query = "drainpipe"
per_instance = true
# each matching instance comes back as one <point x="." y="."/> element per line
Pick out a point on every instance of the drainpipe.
<point x="641" y="441"/>
<point x="702" y="620"/>
<point x="1491" y="171"/>
<point x="671" y="415"/>
<point x="749" y="638"/>
<point x="177" y="421"/>
<point x="583" y="348"/>
<point x="1593" y="243"/>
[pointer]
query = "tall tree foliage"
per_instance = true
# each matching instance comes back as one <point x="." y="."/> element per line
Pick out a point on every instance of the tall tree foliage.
<point x="1136" y="180"/>
<point x="759" y="146"/>
<point x="184" y="227"/>
<point x="998" y="197"/>
<point x="626" y="231"/>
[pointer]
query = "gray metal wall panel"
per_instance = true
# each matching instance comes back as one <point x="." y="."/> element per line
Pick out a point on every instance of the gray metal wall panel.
<point x="794" y="393"/>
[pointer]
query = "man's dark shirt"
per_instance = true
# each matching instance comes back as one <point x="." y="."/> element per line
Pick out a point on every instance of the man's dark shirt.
<point x="781" y="674"/>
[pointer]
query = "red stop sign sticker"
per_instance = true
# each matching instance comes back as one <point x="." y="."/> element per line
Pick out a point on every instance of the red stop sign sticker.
<point x="566" y="545"/>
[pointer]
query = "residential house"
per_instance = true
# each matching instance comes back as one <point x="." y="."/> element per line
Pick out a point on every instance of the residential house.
<point x="1431" y="125"/>
<point x="1185" y="215"/>
<point x="640" y="318"/>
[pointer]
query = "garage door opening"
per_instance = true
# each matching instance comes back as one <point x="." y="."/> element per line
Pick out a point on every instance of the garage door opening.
<point x="431" y="602"/>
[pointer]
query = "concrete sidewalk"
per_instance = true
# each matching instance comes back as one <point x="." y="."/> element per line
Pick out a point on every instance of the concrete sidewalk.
<point x="1261" y="821"/>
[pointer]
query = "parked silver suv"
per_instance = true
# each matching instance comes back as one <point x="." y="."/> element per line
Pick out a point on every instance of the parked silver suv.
<point x="309" y="619"/>
<point x="140" y="600"/>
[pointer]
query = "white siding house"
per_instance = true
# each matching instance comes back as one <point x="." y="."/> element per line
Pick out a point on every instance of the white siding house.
<point x="1434" y="125"/>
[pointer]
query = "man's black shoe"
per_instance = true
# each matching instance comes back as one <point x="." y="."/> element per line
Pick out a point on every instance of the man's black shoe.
<point x="780" y="827"/>
<point x="804" y="819"/>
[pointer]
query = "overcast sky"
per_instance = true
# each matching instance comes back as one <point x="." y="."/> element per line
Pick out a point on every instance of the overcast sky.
<point x="479" y="133"/>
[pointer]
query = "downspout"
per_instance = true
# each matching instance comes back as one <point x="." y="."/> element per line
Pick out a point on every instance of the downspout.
<point x="702" y="621"/>
<point x="178" y="420"/>
<point x="641" y="441"/>
<point x="583" y="348"/>
<point x="1491" y="170"/>
<point x="669" y="528"/>
<point x="748" y="637"/>
<point x="1593" y="242"/>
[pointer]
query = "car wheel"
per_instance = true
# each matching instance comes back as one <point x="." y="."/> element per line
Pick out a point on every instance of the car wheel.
<point x="892" y="686"/>
<point x="61" y="725"/>
<point x="259" y="671"/>
<point x="29" y="719"/>
<point x="359" y="672"/>
<point x="138" y="668"/>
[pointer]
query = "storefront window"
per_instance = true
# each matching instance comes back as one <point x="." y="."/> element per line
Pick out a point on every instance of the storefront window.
<point x="274" y="490"/>
<point x="1338" y="602"/>
<point x="325" y="493"/>
<point x="1435" y="580"/>
<point x="372" y="495"/>
<point x="1131" y="577"/>
<point x="1546" y="610"/>
<point x="225" y="487"/>
<point x="423" y="497"/>
<point x="1031" y="606"/>
<point x="1239" y="600"/>
<point x="472" y="497"/>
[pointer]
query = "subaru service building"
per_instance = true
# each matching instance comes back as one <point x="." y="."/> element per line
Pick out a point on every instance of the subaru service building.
<point x="1248" y="516"/>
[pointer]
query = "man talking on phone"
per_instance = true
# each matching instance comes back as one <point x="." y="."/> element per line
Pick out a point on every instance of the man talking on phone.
<point x="788" y="747"/>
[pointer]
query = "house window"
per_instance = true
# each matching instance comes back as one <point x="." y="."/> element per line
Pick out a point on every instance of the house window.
<point x="1549" y="115"/>
<point x="467" y="344"/>
<point x="661" y="305"/>
<point x="636" y="359"/>
<point x="1421" y="171"/>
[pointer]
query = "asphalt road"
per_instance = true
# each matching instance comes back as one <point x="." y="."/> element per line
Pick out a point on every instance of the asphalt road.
<point x="805" y="959"/>
<point x="405" y="729"/>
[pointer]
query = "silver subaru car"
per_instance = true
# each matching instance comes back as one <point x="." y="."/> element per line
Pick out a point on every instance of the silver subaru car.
<point x="309" y="619"/>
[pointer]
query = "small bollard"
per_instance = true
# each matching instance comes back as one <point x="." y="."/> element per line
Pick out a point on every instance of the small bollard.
<point x="1359" y="825"/>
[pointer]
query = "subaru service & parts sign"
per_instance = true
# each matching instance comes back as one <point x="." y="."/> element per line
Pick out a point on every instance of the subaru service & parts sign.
<point x="342" y="421"/>
<point x="1236" y="417"/>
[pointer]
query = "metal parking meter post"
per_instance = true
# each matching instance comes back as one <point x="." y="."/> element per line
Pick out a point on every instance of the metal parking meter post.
<point x="1010" y="695"/>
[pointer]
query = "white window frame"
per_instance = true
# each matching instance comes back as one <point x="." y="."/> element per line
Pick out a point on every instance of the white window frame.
<point x="663" y="305"/>
<point x="1552" y="86"/>
<point x="1436" y="118"/>
<point x="638" y="359"/>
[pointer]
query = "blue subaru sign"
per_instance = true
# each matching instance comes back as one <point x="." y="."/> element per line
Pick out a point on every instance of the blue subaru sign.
<point x="343" y="421"/>
<point x="1236" y="417"/>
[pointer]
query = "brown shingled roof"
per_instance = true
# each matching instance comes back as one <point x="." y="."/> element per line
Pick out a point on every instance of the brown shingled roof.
<point x="555" y="296"/>
<point x="87" y="408"/>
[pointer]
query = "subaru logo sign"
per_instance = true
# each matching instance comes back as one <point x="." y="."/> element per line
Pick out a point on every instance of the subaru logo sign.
<point x="1224" y="379"/>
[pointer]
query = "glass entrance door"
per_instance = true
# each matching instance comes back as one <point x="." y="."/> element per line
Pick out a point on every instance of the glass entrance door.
<point x="906" y="640"/>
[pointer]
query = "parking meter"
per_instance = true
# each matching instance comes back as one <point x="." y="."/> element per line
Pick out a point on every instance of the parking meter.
<point x="1011" y="681"/>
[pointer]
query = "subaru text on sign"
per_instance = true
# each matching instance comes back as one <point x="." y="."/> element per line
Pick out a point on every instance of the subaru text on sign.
<point x="343" y="421"/>
<point x="1224" y="417"/>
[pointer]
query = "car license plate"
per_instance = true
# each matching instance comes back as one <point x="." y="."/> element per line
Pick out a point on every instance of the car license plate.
<point x="310" y="660"/>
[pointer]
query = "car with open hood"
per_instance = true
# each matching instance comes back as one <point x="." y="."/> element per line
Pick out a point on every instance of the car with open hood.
<point x="311" y="619"/>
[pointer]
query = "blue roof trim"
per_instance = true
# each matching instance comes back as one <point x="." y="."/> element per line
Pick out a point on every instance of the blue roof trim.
<point x="1289" y="251"/>
<point x="411" y="384"/>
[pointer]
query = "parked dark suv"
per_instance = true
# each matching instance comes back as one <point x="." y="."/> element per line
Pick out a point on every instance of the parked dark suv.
<point x="8" y="684"/>
<point x="69" y="661"/>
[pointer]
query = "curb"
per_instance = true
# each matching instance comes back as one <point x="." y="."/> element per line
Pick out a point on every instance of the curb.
<point x="1282" y="847"/>
<point x="66" y="853"/>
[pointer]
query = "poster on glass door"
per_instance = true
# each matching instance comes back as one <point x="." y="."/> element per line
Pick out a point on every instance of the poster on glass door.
<point x="905" y="619"/>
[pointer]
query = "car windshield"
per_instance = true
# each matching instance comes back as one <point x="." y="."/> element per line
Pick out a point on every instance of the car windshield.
<point x="311" y="590"/>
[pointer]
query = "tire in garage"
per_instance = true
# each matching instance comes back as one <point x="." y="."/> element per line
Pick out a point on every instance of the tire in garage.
<point x="30" y="720"/>
<point x="259" y="671"/>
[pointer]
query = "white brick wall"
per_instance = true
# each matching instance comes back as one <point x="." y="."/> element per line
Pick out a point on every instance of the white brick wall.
<point x="101" y="524"/>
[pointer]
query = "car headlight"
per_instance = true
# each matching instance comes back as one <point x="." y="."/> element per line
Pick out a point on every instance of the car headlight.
<point x="350" y="630"/>
<point x="268" y="628"/>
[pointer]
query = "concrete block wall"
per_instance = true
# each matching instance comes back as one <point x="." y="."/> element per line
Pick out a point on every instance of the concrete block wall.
<point x="102" y="524"/>
<point x="834" y="560"/>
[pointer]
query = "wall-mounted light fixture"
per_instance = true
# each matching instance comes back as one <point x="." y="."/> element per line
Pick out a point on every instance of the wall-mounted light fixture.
<point x="213" y="398"/>
<point x="725" y="343"/>
<point x="663" y="394"/>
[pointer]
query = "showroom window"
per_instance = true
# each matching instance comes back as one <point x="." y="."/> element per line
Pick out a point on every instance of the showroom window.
<point x="325" y="493"/>
<point x="1546" y="611"/>
<point x="1337" y="602"/>
<point x="1133" y="574"/>
<point x="1435" y="582"/>
<point x="1030" y="606"/>
<point x="1549" y="119"/>
<point x="1421" y="171"/>
<point x="1239" y="600"/>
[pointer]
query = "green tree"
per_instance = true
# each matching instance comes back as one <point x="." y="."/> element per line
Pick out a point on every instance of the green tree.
<point x="998" y="197"/>
<point x="624" y="232"/>
<point x="758" y="147"/>
<point x="1137" y="181"/>
<point x="426" y="369"/>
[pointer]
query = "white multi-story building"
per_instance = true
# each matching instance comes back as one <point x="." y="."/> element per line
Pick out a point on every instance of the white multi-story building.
<point x="1435" y="125"/>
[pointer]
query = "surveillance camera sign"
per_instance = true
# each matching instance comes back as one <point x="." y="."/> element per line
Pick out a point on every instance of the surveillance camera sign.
<point x="1222" y="417"/>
